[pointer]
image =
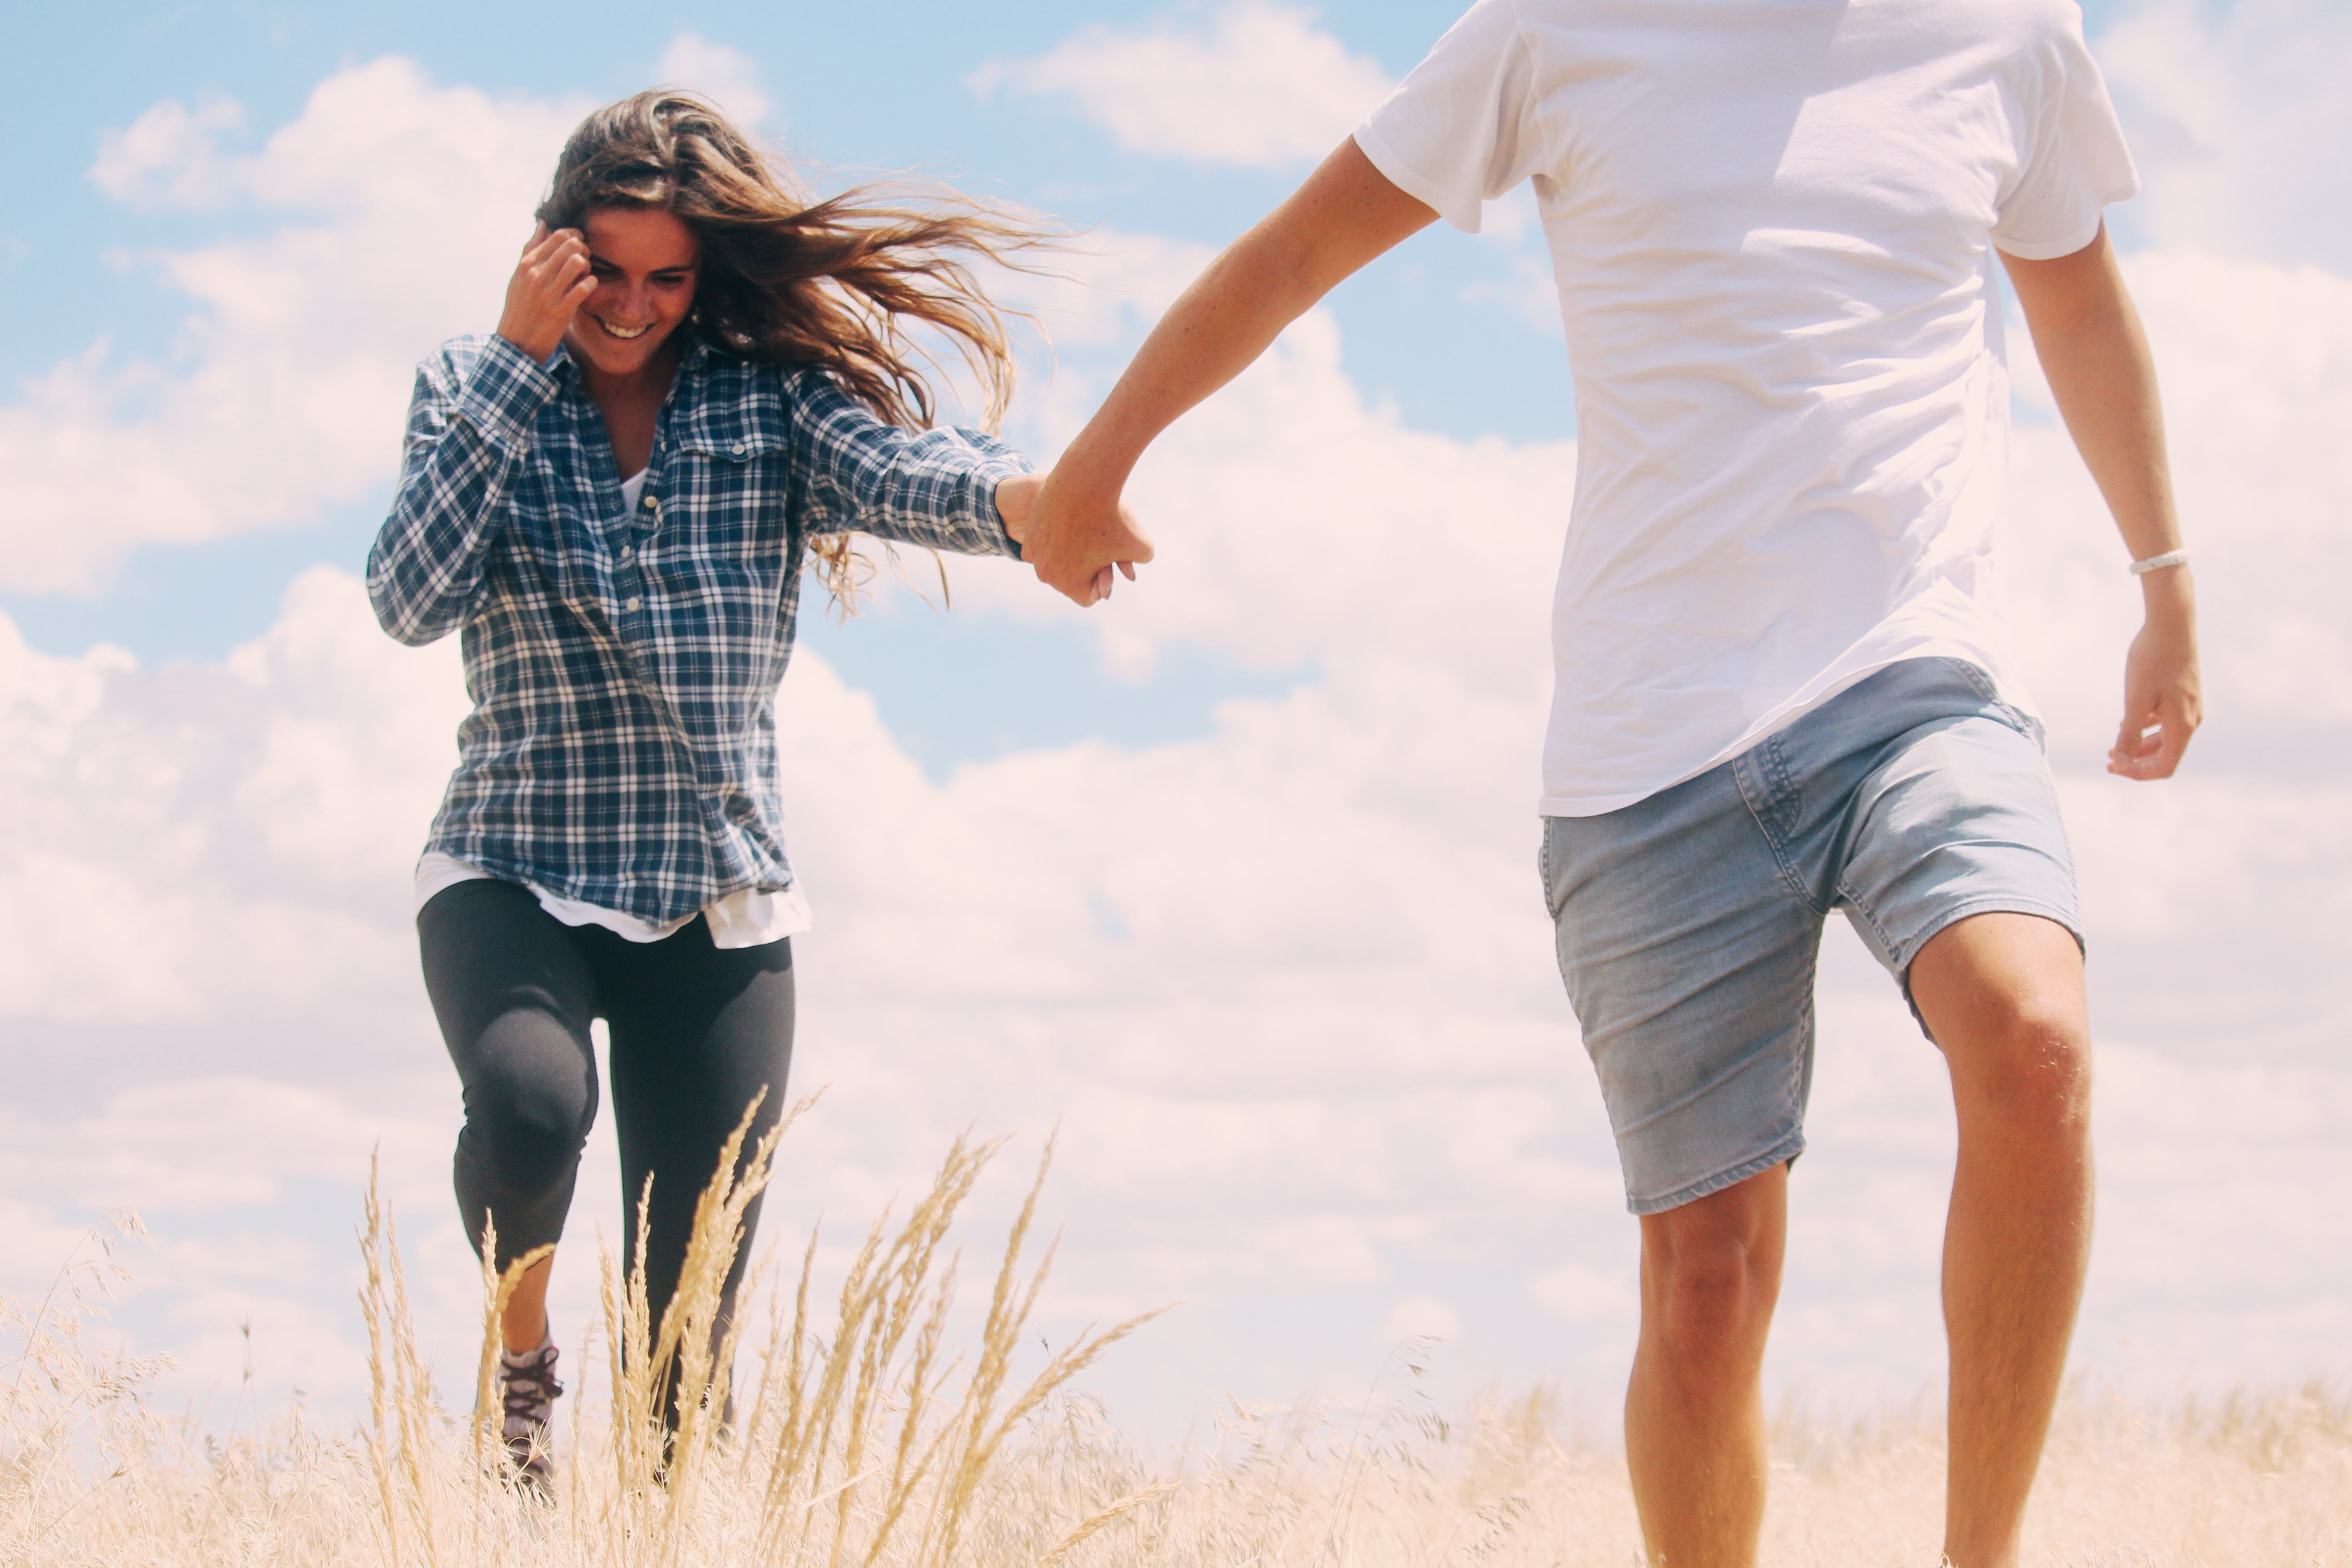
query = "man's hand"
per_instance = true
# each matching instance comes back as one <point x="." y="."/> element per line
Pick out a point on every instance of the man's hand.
<point x="2163" y="699"/>
<point x="550" y="284"/>
<point x="1071" y="534"/>
<point x="2096" y="358"/>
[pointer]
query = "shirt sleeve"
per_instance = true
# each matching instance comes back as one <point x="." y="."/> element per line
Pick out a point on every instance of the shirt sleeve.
<point x="1461" y="130"/>
<point x="2074" y="162"/>
<point x="936" y="489"/>
<point x="469" y="427"/>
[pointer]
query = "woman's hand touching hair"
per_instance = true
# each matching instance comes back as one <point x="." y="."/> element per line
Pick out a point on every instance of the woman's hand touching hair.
<point x="550" y="284"/>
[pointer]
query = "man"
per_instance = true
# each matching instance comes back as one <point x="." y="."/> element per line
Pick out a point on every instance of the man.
<point x="1782" y="686"/>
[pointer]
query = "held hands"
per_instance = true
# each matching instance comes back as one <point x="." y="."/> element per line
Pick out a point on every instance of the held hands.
<point x="1017" y="503"/>
<point x="2163" y="698"/>
<point x="550" y="284"/>
<point x="1073" y="532"/>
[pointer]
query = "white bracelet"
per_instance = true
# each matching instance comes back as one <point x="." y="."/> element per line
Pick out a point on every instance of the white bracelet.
<point x="2159" y="563"/>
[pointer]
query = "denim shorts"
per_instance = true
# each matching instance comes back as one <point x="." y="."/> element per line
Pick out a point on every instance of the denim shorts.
<point x="1690" y="923"/>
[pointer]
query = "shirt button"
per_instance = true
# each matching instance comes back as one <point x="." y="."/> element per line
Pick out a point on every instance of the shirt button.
<point x="739" y="448"/>
<point x="653" y="504"/>
<point x="629" y="551"/>
<point x="634" y="602"/>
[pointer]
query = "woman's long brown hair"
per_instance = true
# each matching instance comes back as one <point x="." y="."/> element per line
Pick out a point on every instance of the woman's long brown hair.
<point x="834" y="284"/>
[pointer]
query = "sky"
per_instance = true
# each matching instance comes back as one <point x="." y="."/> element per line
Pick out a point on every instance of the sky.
<point x="1229" y="885"/>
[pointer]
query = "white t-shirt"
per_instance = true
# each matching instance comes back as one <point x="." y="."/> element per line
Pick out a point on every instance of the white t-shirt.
<point x="745" y="918"/>
<point x="1772" y="228"/>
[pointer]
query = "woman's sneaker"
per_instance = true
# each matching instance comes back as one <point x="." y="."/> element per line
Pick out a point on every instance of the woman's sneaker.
<point x="528" y="1388"/>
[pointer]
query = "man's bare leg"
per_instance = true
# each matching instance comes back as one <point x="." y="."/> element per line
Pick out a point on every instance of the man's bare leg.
<point x="2004" y="996"/>
<point x="1694" y="1407"/>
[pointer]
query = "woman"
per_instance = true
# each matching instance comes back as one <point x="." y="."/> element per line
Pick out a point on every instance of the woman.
<point x="697" y="386"/>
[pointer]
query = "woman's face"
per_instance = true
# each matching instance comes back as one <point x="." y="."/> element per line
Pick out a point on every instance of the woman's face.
<point x="643" y="261"/>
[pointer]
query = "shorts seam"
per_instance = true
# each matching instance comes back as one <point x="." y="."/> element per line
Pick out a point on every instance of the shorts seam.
<point x="1858" y="911"/>
<point x="1789" y="876"/>
<point x="1983" y="682"/>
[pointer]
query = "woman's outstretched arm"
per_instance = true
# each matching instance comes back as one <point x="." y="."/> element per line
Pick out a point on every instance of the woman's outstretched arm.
<point x="1346" y="213"/>
<point x="934" y="489"/>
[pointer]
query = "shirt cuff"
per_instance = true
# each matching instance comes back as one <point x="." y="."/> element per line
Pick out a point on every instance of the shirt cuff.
<point x="504" y="393"/>
<point x="991" y="470"/>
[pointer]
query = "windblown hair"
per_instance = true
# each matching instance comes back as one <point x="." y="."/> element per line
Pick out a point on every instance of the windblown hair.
<point x="834" y="284"/>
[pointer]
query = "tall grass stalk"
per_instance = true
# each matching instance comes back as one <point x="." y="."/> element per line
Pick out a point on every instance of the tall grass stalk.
<point x="875" y="1433"/>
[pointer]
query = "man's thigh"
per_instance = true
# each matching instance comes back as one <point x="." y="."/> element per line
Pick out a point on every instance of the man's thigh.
<point x="1689" y="954"/>
<point x="2002" y="989"/>
<point x="1958" y="819"/>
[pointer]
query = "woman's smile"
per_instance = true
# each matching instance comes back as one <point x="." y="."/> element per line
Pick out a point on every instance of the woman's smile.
<point x="645" y="262"/>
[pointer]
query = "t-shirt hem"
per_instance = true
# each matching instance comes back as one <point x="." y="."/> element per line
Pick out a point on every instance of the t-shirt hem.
<point x="1837" y="687"/>
<point x="2049" y="250"/>
<point x="1406" y="178"/>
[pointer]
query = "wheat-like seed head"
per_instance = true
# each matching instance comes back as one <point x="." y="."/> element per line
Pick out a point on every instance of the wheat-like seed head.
<point x="957" y="1462"/>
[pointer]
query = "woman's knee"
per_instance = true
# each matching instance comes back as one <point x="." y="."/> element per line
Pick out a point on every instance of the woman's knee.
<point x="529" y="1108"/>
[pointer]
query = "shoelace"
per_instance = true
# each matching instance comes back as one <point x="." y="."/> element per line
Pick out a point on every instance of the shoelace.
<point x="530" y="1390"/>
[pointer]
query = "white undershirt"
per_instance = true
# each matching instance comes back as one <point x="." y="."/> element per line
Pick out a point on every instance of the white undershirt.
<point x="745" y="918"/>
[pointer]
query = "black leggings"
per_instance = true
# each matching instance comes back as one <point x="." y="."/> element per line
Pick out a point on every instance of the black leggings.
<point x="696" y="1031"/>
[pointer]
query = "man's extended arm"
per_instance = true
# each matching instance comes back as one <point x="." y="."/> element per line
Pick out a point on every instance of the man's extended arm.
<point x="2092" y="349"/>
<point x="1346" y="213"/>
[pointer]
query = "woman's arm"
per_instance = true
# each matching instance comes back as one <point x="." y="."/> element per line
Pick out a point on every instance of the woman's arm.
<point x="935" y="489"/>
<point x="468" y="429"/>
<point x="1346" y="213"/>
<point x="2089" y="341"/>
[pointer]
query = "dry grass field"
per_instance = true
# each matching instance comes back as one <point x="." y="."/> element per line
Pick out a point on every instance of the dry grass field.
<point x="863" y="1436"/>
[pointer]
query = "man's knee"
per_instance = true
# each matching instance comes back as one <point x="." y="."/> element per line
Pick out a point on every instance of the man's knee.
<point x="2003" y="995"/>
<point x="2030" y="1063"/>
<point x="1711" y="1269"/>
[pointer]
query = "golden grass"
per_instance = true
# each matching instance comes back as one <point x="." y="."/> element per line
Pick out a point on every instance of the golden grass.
<point x="862" y="1439"/>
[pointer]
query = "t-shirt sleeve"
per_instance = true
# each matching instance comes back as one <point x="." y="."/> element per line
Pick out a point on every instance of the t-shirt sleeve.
<point x="2073" y="163"/>
<point x="1460" y="130"/>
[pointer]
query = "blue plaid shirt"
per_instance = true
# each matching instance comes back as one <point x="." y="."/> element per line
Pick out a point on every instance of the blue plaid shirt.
<point x="621" y="750"/>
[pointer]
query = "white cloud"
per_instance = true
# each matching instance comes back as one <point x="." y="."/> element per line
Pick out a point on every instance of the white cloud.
<point x="398" y="207"/>
<point x="1421" y="1318"/>
<point x="727" y="77"/>
<point x="246" y="823"/>
<point x="2239" y="115"/>
<point x="1581" y="1295"/>
<point x="169" y="156"/>
<point x="1261" y="85"/>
